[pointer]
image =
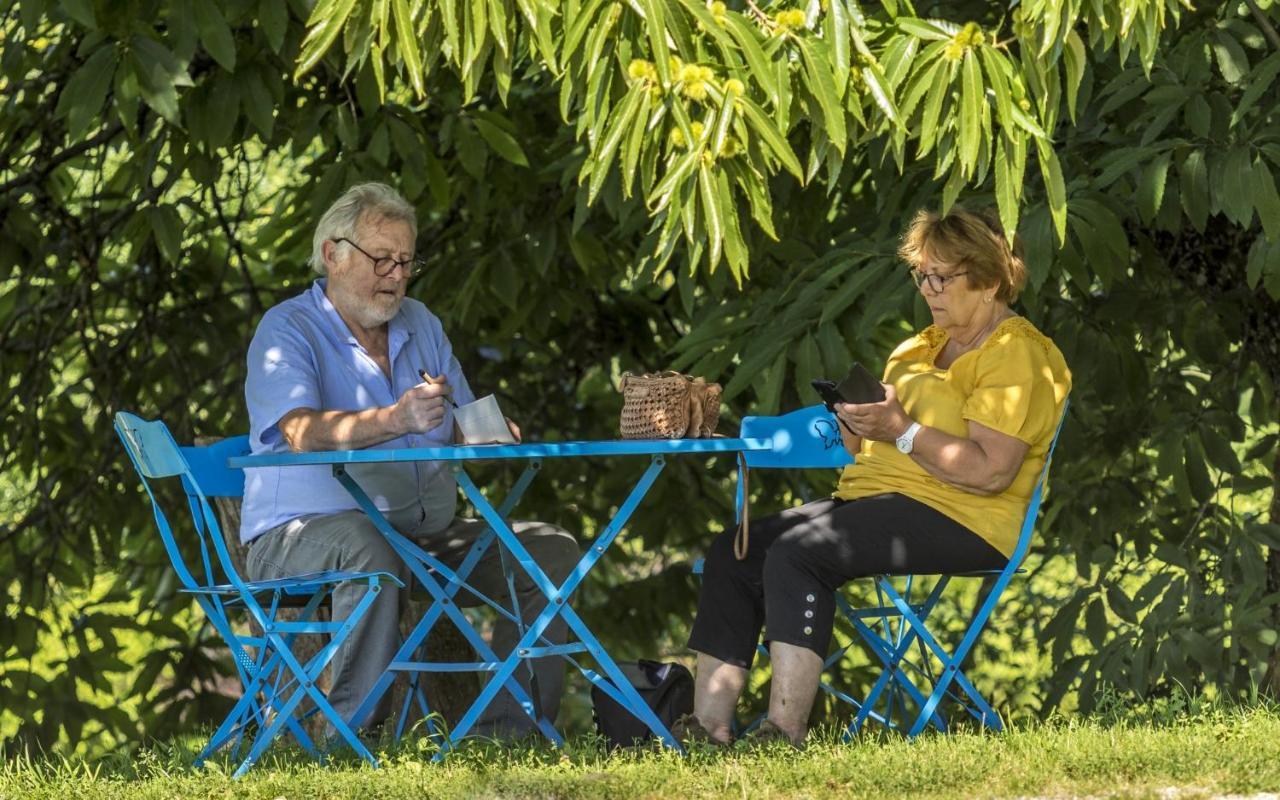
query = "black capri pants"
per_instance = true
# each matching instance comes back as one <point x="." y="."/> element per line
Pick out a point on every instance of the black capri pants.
<point x="798" y="558"/>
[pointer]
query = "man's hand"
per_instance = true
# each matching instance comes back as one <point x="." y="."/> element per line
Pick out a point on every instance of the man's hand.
<point x="421" y="408"/>
<point x="880" y="422"/>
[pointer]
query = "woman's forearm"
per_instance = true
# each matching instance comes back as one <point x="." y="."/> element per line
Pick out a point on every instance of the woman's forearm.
<point x="852" y="442"/>
<point x="959" y="461"/>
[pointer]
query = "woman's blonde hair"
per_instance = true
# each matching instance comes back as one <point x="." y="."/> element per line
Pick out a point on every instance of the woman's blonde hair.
<point x="975" y="239"/>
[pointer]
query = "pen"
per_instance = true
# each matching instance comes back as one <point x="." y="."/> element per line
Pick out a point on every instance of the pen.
<point x="427" y="378"/>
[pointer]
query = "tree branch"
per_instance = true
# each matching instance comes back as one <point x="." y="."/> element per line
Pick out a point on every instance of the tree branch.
<point x="67" y="154"/>
<point x="1264" y="22"/>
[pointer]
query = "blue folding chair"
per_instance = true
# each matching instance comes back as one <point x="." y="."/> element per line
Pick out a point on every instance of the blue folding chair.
<point x="275" y="682"/>
<point x="809" y="438"/>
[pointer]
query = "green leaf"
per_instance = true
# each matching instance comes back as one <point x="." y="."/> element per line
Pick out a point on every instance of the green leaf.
<point x="823" y="86"/>
<point x="258" y="105"/>
<point x="326" y="23"/>
<point x="215" y="34"/>
<point x="159" y="74"/>
<point x="747" y="38"/>
<point x="996" y="77"/>
<point x="1256" y="263"/>
<point x="1265" y="199"/>
<point x="735" y="248"/>
<point x="1055" y="188"/>
<point x="973" y="99"/>
<point x="931" y="115"/>
<point x="1197" y="471"/>
<point x="452" y="35"/>
<point x="653" y="20"/>
<point x="881" y="93"/>
<point x="1231" y="58"/>
<point x="578" y="28"/>
<point x="1073" y="56"/>
<point x="1151" y="187"/>
<point x="498" y="138"/>
<point x="273" y="18"/>
<point x="1095" y="622"/>
<point x="1120" y="604"/>
<point x="81" y="11"/>
<point x="1261" y="80"/>
<point x="82" y="98"/>
<point x="765" y="129"/>
<point x="724" y="120"/>
<point x="167" y="227"/>
<point x="919" y="86"/>
<point x="711" y="215"/>
<point x="635" y="138"/>
<point x="851" y="288"/>
<point x="1219" y="451"/>
<point x="836" y="31"/>
<point x="1236" y="187"/>
<point x="1007" y="189"/>
<point x="662" y="193"/>
<point x="407" y="45"/>
<point x="623" y="121"/>
<point x="923" y="29"/>
<point x="1194" y="189"/>
<point x="1199" y="116"/>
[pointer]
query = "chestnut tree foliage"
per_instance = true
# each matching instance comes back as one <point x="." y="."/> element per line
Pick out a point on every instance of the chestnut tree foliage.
<point x="608" y="185"/>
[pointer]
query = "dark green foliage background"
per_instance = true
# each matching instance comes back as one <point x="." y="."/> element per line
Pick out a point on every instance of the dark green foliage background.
<point x="160" y="176"/>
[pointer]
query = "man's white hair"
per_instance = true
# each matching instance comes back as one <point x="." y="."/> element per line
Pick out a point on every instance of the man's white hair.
<point x="364" y="201"/>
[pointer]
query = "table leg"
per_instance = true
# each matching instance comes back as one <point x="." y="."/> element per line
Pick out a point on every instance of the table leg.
<point x="557" y="597"/>
<point x="418" y="561"/>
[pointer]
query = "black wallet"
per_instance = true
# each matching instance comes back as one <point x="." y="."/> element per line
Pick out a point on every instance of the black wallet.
<point x="858" y="386"/>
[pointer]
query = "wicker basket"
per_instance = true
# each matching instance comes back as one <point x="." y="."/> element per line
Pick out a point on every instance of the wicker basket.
<point x="668" y="405"/>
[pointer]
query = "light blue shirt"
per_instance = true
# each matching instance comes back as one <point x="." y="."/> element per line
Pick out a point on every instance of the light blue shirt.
<point x="304" y="356"/>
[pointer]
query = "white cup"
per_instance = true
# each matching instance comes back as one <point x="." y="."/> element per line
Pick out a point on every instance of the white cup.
<point x="481" y="422"/>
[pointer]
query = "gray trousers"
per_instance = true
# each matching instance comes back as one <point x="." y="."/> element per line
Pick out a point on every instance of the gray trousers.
<point x="349" y="541"/>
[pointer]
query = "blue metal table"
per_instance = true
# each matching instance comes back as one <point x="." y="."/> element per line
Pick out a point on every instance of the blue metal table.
<point x="443" y="583"/>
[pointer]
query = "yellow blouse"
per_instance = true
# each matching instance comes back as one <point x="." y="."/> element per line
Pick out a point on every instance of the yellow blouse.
<point x="1015" y="382"/>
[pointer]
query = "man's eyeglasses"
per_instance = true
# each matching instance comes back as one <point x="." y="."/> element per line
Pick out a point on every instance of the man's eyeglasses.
<point x="382" y="265"/>
<point x="938" y="283"/>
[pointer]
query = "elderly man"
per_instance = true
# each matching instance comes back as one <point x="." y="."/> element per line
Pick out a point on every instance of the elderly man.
<point x="339" y="367"/>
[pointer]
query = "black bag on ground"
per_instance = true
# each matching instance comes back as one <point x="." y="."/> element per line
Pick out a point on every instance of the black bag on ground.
<point x="666" y="688"/>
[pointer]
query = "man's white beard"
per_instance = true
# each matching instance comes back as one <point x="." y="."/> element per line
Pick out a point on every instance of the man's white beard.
<point x="367" y="314"/>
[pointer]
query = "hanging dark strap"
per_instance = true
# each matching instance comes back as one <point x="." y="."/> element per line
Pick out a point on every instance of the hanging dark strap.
<point x="740" y="538"/>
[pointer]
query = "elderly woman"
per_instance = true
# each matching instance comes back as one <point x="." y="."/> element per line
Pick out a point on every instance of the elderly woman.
<point x="945" y="467"/>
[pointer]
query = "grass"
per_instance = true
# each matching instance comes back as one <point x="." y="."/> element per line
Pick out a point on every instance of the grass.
<point x="1199" y="754"/>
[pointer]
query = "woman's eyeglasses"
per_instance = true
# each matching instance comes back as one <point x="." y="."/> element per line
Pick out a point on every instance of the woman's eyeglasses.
<point x="937" y="283"/>
<point x="383" y="265"/>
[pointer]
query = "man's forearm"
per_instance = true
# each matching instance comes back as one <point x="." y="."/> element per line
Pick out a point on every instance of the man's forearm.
<point x="307" y="430"/>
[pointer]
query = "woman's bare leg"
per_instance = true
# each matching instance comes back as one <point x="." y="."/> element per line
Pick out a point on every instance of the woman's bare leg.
<point x="716" y="690"/>
<point x="796" y="672"/>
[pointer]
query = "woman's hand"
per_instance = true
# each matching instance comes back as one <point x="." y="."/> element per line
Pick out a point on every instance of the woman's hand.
<point x="881" y="422"/>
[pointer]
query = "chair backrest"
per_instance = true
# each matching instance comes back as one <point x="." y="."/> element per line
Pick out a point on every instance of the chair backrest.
<point x="808" y="438"/>
<point x="209" y="466"/>
<point x="155" y="454"/>
<point x="1033" y="507"/>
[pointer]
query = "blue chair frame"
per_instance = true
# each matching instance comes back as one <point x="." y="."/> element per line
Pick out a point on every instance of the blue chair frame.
<point x="274" y="681"/>
<point x="809" y="438"/>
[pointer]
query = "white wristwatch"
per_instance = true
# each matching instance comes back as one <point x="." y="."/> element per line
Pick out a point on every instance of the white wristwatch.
<point x="906" y="442"/>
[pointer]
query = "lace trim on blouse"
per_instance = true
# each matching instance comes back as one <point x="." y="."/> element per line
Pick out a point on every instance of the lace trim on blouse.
<point x="934" y="337"/>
